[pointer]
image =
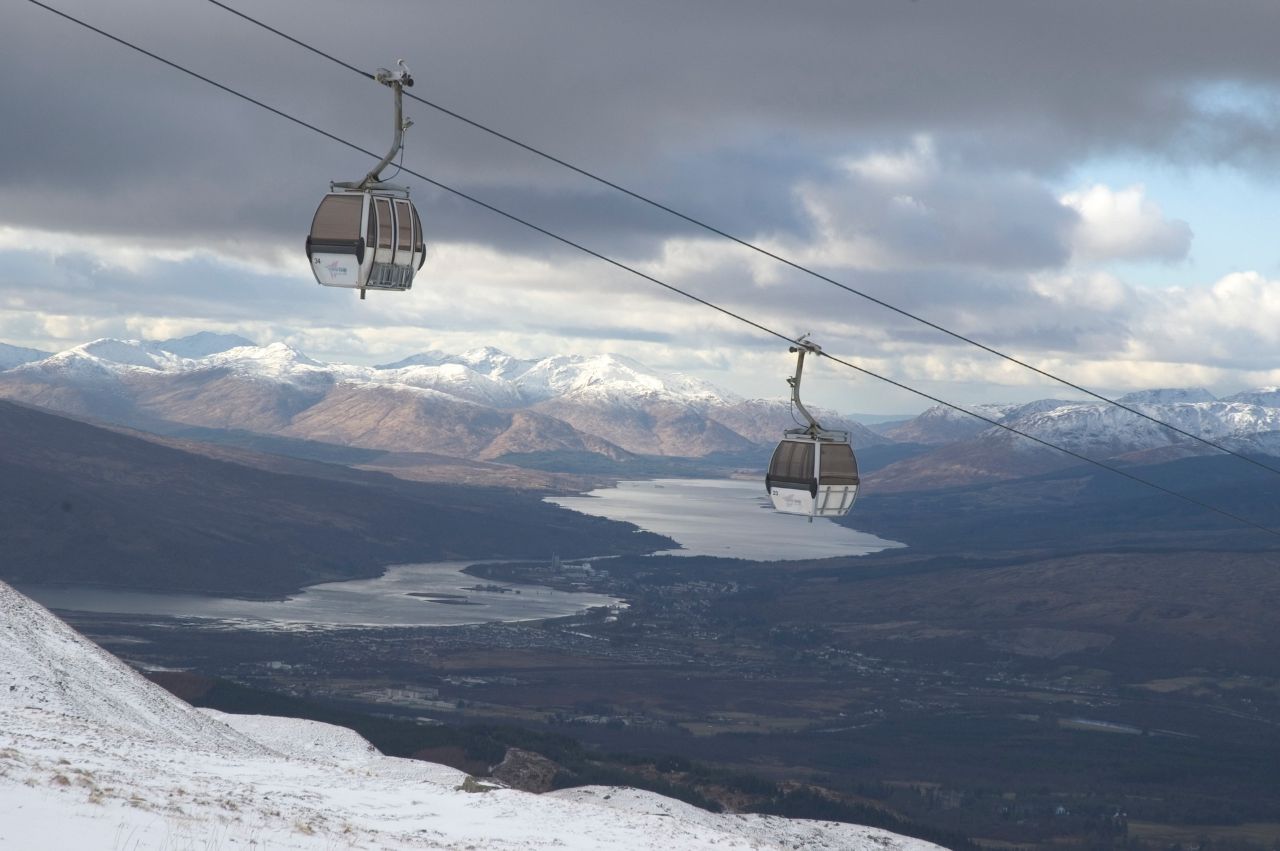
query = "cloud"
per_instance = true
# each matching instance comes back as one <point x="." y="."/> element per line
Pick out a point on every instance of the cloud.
<point x="1124" y="224"/>
<point x="912" y="150"/>
<point x="711" y="105"/>
<point x="1097" y="293"/>
<point x="1234" y="324"/>
<point x="907" y="209"/>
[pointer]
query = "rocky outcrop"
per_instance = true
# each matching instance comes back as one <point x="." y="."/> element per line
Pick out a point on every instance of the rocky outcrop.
<point x="526" y="771"/>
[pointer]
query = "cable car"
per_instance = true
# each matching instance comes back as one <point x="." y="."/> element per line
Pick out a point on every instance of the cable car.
<point x="366" y="240"/>
<point x="813" y="471"/>
<point x="366" y="234"/>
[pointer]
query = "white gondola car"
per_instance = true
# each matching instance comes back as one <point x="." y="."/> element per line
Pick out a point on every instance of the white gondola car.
<point x="813" y="471"/>
<point x="366" y="234"/>
<point x="817" y="477"/>
<point x="366" y="240"/>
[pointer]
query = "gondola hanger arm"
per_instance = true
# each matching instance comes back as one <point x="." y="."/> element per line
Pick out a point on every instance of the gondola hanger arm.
<point x="802" y="347"/>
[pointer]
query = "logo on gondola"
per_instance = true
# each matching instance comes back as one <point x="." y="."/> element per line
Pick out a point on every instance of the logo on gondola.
<point x="788" y="499"/>
<point x="336" y="268"/>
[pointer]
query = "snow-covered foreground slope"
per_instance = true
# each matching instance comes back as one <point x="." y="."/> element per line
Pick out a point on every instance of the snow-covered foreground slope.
<point x="92" y="756"/>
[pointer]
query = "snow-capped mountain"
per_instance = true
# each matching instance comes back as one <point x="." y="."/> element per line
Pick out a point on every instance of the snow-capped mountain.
<point x="1167" y="396"/>
<point x="941" y="424"/>
<point x="1102" y="429"/>
<point x="970" y="450"/>
<point x="1267" y="397"/>
<point x="1248" y="419"/>
<point x="203" y="344"/>
<point x="484" y="404"/>
<point x="609" y="379"/>
<point x="104" y="359"/>
<point x="453" y="379"/>
<point x="93" y="756"/>
<point x="613" y="379"/>
<point x="485" y="360"/>
<point x="481" y="403"/>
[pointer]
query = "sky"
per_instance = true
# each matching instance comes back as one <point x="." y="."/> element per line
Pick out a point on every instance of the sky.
<point x="1089" y="186"/>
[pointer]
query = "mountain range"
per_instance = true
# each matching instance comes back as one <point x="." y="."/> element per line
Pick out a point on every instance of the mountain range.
<point x="481" y="404"/>
<point x="93" y="756"/>
<point x="961" y="450"/>
<point x="485" y="405"/>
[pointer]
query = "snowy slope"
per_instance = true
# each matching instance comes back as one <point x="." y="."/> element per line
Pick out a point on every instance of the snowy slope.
<point x="51" y="673"/>
<point x="454" y="379"/>
<point x="92" y="756"/>
<point x="486" y="360"/>
<point x="1268" y="397"/>
<point x="104" y="359"/>
<point x="615" y="379"/>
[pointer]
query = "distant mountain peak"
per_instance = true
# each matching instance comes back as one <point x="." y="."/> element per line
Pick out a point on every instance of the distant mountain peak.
<point x="122" y="352"/>
<point x="488" y="361"/>
<point x="11" y="356"/>
<point x="1266" y="397"/>
<point x="1168" y="396"/>
<point x="272" y="355"/>
<point x="483" y="352"/>
<point x="203" y="344"/>
<point x="428" y="358"/>
<point x="494" y="362"/>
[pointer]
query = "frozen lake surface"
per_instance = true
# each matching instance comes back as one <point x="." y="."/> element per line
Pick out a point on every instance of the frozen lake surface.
<point x="711" y="517"/>
<point x="437" y="594"/>
<point x="731" y="518"/>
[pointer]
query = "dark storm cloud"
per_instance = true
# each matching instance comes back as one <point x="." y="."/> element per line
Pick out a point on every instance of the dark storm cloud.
<point x="99" y="139"/>
<point x="761" y="204"/>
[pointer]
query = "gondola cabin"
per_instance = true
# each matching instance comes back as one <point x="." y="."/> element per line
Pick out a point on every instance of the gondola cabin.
<point x="813" y="476"/>
<point x="366" y="240"/>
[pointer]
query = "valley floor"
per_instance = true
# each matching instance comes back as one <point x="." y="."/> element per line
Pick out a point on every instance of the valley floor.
<point x="1078" y="701"/>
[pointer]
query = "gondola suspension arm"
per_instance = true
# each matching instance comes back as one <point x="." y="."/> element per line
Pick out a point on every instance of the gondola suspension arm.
<point x="366" y="233"/>
<point x="397" y="81"/>
<point x="803" y="346"/>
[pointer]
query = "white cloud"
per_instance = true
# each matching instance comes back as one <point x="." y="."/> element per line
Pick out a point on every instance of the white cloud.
<point x="1233" y="323"/>
<point x="137" y="255"/>
<point x="1124" y="224"/>
<point x="1101" y="292"/>
<point x="915" y="164"/>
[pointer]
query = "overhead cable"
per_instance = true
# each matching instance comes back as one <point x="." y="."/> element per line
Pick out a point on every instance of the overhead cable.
<point x="650" y="278"/>
<point x="746" y="243"/>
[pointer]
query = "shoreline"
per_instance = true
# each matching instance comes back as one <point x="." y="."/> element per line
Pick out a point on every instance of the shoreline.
<point x="401" y="597"/>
